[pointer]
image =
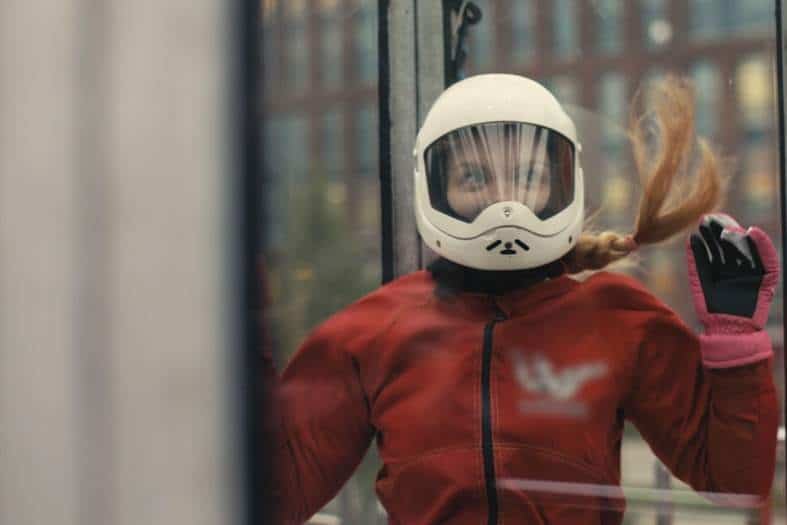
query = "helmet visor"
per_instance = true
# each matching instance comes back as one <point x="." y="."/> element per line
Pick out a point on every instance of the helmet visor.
<point x="474" y="167"/>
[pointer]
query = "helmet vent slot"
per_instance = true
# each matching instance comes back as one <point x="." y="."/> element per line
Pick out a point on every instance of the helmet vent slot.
<point x="508" y="246"/>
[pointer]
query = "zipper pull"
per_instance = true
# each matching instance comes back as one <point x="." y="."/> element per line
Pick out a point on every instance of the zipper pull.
<point x="499" y="314"/>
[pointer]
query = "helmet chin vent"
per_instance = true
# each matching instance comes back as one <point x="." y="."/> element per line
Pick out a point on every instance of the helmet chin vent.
<point x="509" y="247"/>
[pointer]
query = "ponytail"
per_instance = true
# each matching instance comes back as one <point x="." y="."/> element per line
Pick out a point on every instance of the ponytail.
<point x="677" y="192"/>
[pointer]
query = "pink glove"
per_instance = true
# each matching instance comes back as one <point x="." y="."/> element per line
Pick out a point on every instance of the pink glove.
<point x="733" y="273"/>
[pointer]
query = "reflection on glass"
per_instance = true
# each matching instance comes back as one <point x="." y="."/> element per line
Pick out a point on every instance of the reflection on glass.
<point x="609" y="24"/>
<point x="707" y="85"/>
<point x="564" y="27"/>
<point x="656" y="26"/>
<point x="523" y="44"/>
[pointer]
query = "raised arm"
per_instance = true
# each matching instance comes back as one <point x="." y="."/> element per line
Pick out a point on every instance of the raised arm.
<point x="707" y="405"/>
<point x="714" y="428"/>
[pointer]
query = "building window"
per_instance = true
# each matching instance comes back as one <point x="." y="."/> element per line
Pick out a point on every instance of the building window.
<point x="331" y="63"/>
<point x="331" y="145"/>
<point x="286" y="147"/>
<point x="707" y="85"/>
<point x="268" y="10"/>
<point x="565" y="31"/>
<point x="366" y="41"/>
<point x="718" y="18"/>
<point x="522" y="31"/>
<point x="564" y="88"/>
<point x="297" y="45"/>
<point x="760" y="180"/>
<point x="754" y="87"/>
<point x="270" y="49"/>
<point x="752" y="16"/>
<point x="656" y="27"/>
<point x="609" y="25"/>
<point x="612" y="106"/>
<point x="481" y="40"/>
<point x="366" y="140"/>
<point x="706" y="19"/>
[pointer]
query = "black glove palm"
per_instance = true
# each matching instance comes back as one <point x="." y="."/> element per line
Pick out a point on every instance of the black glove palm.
<point x="728" y="265"/>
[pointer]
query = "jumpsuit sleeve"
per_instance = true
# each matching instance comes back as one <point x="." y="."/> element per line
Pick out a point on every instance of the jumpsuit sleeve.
<point x="318" y="422"/>
<point x="715" y="429"/>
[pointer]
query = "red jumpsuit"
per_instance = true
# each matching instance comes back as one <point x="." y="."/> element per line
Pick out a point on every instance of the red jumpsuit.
<point x="484" y="408"/>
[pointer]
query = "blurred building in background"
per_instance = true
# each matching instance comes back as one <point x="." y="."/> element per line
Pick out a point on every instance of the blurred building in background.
<point x="320" y="83"/>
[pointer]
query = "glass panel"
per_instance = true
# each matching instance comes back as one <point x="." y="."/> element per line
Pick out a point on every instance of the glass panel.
<point x="565" y="448"/>
<point x="322" y="189"/>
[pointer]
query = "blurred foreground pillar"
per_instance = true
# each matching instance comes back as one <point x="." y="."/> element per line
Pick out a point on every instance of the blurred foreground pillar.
<point x="116" y="346"/>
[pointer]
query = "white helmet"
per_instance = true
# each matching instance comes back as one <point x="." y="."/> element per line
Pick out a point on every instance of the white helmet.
<point x="498" y="184"/>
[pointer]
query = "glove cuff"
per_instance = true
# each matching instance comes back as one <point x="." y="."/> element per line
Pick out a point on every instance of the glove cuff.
<point x="728" y="350"/>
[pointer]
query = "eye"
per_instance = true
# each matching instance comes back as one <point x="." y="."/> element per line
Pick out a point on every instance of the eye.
<point x="473" y="176"/>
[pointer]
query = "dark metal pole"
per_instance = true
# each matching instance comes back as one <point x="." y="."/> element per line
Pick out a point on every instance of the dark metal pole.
<point x="386" y="188"/>
<point x="247" y="205"/>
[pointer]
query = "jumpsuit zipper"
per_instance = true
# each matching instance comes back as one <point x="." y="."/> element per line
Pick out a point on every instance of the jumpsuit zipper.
<point x="486" y="416"/>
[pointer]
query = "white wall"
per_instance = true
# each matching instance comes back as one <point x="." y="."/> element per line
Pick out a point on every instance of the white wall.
<point x="115" y="362"/>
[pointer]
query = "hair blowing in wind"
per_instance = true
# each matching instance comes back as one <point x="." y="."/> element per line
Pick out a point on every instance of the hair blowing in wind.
<point x="680" y="174"/>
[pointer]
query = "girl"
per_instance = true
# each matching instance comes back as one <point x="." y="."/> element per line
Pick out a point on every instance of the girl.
<point x="496" y="385"/>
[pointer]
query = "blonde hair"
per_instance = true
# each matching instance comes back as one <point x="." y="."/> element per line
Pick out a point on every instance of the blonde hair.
<point x="677" y="189"/>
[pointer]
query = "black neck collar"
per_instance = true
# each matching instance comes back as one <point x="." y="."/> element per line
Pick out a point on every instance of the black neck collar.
<point x="453" y="278"/>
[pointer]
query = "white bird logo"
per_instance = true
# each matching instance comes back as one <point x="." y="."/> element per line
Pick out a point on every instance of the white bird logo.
<point x="540" y="376"/>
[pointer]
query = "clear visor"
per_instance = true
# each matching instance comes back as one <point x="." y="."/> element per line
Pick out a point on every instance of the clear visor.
<point x="471" y="168"/>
